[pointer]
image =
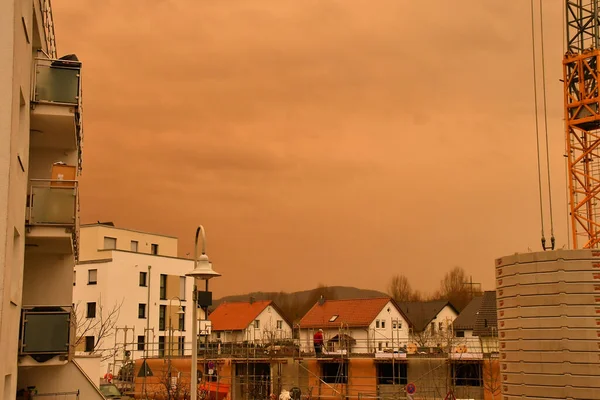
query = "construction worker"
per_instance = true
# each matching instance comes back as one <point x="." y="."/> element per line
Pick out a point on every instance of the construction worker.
<point x="318" y="342"/>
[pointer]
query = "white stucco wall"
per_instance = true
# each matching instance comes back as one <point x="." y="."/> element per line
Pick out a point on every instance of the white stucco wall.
<point x="68" y="378"/>
<point x="92" y="241"/>
<point x="17" y="38"/>
<point x="264" y="334"/>
<point x="388" y="338"/>
<point x="367" y="338"/>
<point x="118" y="283"/>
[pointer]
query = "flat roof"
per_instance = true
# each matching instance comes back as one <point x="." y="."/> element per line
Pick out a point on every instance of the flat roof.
<point x="126" y="229"/>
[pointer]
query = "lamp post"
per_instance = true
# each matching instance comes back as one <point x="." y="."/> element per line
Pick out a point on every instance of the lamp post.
<point x="203" y="271"/>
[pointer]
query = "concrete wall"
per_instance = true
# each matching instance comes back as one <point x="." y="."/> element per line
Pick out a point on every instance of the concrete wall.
<point x="59" y="379"/>
<point x="90" y="365"/>
<point x="19" y="33"/>
<point x="118" y="285"/>
<point x="48" y="280"/>
<point x="92" y="241"/>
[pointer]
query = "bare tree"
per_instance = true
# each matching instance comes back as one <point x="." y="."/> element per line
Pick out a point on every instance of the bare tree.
<point x="399" y="288"/>
<point x="454" y="289"/>
<point x="102" y="327"/>
<point x="173" y="385"/>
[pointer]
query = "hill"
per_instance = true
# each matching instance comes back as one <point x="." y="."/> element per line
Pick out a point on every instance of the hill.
<point x="295" y="304"/>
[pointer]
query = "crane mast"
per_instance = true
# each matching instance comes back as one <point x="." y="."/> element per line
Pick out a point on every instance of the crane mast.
<point x="582" y="120"/>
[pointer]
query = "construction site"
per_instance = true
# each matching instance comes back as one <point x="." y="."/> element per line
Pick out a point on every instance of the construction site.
<point x="246" y="371"/>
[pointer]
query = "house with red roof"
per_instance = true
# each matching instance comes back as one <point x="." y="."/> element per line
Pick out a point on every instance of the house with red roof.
<point x="356" y="326"/>
<point x="253" y="321"/>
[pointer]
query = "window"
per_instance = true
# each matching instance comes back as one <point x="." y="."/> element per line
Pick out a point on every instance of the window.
<point x="392" y="373"/>
<point x="163" y="287"/>
<point x="332" y="319"/>
<point x="92" y="276"/>
<point x="91" y="310"/>
<point x="134" y="245"/>
<point x="467" y="373"/>
<point x="380" y="346"/>
<point x="182" y="319"/>
<point x="382" y="324"/>
<point x="89" y="343"/>
<point x="440" y="326"/>
<point x="377" y="324"/>
<point x="141" y="342"/>
<point x="181" y="345"/>
<point x="333" y="372"/>
<point x="182" y="287"/>
<point x="399" y="325"/>
<point x="74" y="277"/>
<point x="256" y="324"/>
<point x="460" y="333"/>
<point x="394" y="325"/>
<point x="141" y="310"/>
<point x="162" y="312"/>
<point x="161" y="346"/>
<point x="143" y="279"/>
<point x="154" y="249"/>
<point x="279" y="324"/>
<point x="110" y="243"/>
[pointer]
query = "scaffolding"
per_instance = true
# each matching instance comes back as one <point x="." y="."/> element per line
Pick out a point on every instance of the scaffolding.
<point x="348" y="369"/>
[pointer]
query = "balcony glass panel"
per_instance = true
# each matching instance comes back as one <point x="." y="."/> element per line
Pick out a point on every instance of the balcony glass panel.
<point x="53" y="205"/>
<point x="57" y="83"/>
<point x="46" y="332"/>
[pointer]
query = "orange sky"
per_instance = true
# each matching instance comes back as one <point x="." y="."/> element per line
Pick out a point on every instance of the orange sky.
<point x="332" y="141"/>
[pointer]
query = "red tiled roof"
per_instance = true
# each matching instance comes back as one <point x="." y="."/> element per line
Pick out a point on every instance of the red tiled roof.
<point x="236" y="316"/>
<point x="354" y="312"/>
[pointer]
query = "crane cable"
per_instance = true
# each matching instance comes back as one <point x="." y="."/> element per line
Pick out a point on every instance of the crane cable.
<point x="552" y="240"/>
<point x="537" y="134"/>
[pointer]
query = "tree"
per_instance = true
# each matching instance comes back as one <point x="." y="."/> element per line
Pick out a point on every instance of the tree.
<point x="101" y="327"/>
<point x="454" y="288"/>
<point x="399" y="288"/>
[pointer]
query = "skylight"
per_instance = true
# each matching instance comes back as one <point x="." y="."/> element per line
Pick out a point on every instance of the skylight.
<point x="333" y="318"/>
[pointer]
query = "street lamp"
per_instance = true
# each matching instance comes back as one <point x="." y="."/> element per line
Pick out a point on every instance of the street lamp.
<point x="203" y="271"/>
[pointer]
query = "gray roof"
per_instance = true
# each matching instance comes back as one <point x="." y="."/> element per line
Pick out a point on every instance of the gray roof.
<point x="487" y="320"/>
<point x="421" y="313"/>
<point x="479" y="316"/>
<point x="467" y="317"/>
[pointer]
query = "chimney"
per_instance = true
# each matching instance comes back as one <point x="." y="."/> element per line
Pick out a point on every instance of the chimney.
<point x="251" y="300"/>
<point x="321" y="300"/>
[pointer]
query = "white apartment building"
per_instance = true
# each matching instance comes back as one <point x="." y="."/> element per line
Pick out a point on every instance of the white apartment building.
<point x="431" y="323"/>
<point x="40" y="162"/>
<point x="252" y="321"/>
<point x="128" y="287"/>
<point x="356" y="326"/>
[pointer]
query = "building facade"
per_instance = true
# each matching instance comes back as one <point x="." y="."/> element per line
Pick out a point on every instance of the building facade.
<point x="252" y="321"/>
<point x="40" y="160"/>
<point x="356" y="326"/>
<point x="131" y="297"/>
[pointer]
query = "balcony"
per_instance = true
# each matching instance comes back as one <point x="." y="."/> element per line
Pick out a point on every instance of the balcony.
<point x="45" y="335"/>
<point x="56" y="112"/>
<point x="52" y="216"/>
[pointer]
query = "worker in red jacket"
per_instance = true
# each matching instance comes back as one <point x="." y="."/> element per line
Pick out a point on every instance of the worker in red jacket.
<point x="318" y="342"/>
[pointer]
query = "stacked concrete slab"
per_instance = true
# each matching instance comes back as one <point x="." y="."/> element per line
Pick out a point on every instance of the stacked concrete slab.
<point x="549" y="324"/>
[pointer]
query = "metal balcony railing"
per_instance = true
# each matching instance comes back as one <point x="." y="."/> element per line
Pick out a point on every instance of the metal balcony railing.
<point x="45" y="331"/>
<point x="48" y="24"/>
<point x="53" y="202"/>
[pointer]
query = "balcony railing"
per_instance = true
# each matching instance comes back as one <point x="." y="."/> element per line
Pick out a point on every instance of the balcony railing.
<point x="45" y="331"/>
<point x="53" y="202"/>
<point x="57" y="81"/>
